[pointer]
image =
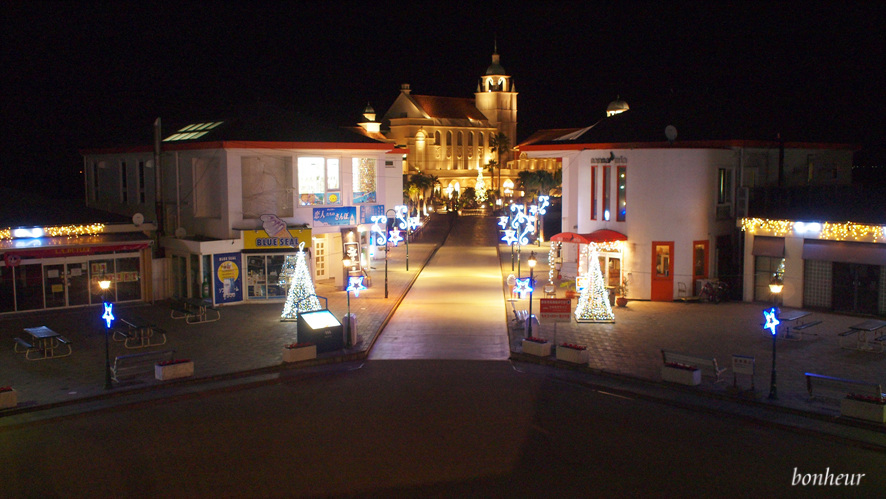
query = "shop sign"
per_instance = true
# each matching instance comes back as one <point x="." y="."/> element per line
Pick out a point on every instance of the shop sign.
<point x="367" y="212"/>
<point x="556" y="308"/>
<point x="228" y="277"/>
<point x="260" y="239"/>
<point x="333" y="216"/>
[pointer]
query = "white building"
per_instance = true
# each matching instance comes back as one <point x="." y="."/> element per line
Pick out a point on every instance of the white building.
<point x="671" y="188"/>
<point x="239" y="195"/>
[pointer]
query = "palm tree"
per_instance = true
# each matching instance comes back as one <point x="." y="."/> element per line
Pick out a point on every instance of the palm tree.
<point x="501" y="144"/>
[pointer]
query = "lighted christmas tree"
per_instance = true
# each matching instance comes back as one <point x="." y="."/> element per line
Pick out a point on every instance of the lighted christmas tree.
<point x="480" y="188"/>
<point x="593" y="303"/>
<point x="301" y="288"/>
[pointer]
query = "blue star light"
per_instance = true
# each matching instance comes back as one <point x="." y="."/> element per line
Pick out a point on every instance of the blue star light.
<point x="772" y="321"/>
<point x="109" y="314"/>
<point x="355" y="284"/>
<point x="522" y="287"/>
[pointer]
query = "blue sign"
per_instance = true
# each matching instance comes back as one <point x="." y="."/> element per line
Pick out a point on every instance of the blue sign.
<point x="369" y="211"/>
<point x="340" y="215"/>
<point x="228" y="270"/>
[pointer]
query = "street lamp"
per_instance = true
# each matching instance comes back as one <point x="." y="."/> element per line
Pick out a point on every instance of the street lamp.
<point x="532" y="261"/>
<point x="775" y="286"/>
<point x="104" y="284"/>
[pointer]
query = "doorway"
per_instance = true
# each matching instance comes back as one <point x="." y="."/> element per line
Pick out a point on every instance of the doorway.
<point x="856" y="288"/>
<point x="662" y="271"/>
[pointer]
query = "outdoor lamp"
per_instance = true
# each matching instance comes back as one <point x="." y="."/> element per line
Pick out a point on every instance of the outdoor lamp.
<point x="776" y="284"/>
<point x="532" y="261"/>
<point x="105" y="285"/>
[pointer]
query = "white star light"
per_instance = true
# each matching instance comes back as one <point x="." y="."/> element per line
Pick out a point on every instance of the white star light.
<point x="772" y="321"/>
<point x="395" y="237"/>
<point x="355" y="284"/>
<point x="503" y="222"/>
<point x="109" y="314"/>
<point x="509" y="237"/>
<point x="522" y="287"/>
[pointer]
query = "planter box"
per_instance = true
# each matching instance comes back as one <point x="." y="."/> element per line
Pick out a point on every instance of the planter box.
<point x="173" y="371"/>
<point x="8" y="399"/>
<point x="689" y="377"/>
<point x="572" y="355"/>
<point x="535" y="348"/>
<point x="863" y="410"/>
<point x="300" y="353"/>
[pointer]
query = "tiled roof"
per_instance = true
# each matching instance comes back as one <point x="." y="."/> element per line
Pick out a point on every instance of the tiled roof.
<point x="449" y="107"/>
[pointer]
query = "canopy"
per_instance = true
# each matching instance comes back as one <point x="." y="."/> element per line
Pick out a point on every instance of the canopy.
<point x="598" y="236"/>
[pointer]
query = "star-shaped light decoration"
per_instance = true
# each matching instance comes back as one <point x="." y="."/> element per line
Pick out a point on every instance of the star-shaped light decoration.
<point x="522" y="287"/>
<point x="109" y="313"/>
<point x="772" y="321"/>
<point x="395" y="237"/>
<point x="503" y="222"/>
<point x="509" y="237"/>
<point x="355" y="284"/>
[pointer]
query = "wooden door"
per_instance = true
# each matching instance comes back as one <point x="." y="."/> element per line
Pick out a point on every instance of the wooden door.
<point x="662" y="271"/>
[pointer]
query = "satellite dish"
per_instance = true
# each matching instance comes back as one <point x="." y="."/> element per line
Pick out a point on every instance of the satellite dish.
<point x="180" y="232"/>
<point x="138" y="219"/>
<point x="671" y="133"/>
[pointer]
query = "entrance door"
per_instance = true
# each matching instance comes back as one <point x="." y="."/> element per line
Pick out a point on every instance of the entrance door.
<point x="320" y="259"/>
<point x="54" y="285"/>
<point x="662" y="271"/>
<point x="856" y="287"/>
<point x="78" y="284"/>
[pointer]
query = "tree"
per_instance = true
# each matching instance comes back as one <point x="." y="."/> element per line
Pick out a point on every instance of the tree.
<point x="301" y="287"/>
<point x="501" y="144"/>
<point x="593" y="303"/>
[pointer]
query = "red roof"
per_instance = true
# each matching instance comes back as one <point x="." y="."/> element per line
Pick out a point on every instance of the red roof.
<point x="598" y="236"/>
<point x="449" y="107"/>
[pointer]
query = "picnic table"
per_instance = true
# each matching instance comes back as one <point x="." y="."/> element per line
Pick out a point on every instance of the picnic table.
<point x="795" y="318"/>
<point x="138" y="333"/>
<point x="861" y="331"/>
<point x="43" y="343"/>
<point x="195" y="310"/>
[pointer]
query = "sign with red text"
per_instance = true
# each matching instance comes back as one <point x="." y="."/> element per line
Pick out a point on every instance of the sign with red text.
<point x="556" y="308"/>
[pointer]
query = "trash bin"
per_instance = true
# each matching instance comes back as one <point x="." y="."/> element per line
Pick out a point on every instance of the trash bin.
<point x="611" y="291"/>
<point x="350" y="330"/>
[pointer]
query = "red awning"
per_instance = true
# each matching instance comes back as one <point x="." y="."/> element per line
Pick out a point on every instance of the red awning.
<point x="598" y="236"/>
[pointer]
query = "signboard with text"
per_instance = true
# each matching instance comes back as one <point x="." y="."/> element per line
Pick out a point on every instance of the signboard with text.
<point x="333" y="216"/>
<point x="556" y="308"/>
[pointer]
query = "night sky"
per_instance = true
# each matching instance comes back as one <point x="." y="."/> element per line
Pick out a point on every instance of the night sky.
<point x="83" y="74"/>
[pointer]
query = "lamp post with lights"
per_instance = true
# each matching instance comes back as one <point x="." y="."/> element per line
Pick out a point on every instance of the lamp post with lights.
<point x="104" y="284"/>
<point x="532" y="261"/>
<point x="775" y="287"/>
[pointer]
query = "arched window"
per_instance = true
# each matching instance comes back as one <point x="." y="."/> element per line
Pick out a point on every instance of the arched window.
<point x="470" y="139"/>
<point x="437" y="137"/>
<point x="460" y="137"/>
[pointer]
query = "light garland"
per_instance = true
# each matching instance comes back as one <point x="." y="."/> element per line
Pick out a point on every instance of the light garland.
<point x="593" y="304"/>
<point x="61" y="231"/>
<point x="846" y="231"/>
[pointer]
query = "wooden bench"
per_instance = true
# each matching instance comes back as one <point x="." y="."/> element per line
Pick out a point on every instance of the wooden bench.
<point x="820" y="386"/>
<point x="707" y="365"/>
<point x="128" y="366"/>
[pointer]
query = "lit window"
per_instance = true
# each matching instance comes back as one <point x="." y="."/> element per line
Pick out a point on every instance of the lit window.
<point x="318" y="181"/>
<point x="364" y="174"/>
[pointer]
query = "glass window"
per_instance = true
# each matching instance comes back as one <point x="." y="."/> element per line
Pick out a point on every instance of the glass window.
<point x="128" y="279"/>
<point x="123" y="189"/>
<point x="607" y="181"/>
<point x="318" y="181"/>
<point x="364" y="173"/>
<point x="622" y="193"/>
<point x="662" y="260"/>
<point x="266" y="183"/>
<point x="593" y="193"/>
<point x="29" y="287"/>
<point x="724" y="186"/>
<point x="764" y="268"/>
<point x="700" y="260"/>
<point x="7" y="289"/>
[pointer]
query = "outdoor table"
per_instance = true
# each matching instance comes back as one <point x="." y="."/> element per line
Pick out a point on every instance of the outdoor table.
<point x="789" y="317"/>
<point x="139" y="332"/>
<point x="45" y="340"/>
<point x="863" y="328"/>
<point x="199" y="308"/>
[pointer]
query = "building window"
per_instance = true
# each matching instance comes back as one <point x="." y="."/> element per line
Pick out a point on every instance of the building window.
<point x="364" y="180"/>
<point x="266" y="186"/>
<point x="437" y="138"/>
<point x="724" y="186"/>
<point x="123" y="173"/>
<point x="764" y="268"/>
<point x="607" y="181"/>
<point x="95" y="168"/>
<point x="700" y="259"/>
<point x="593" y="193"/>
<point x="318" y="181"/>
<point x="622" y="192"/>
<point x="206" y="187"/>
<point x="141" y="182"/>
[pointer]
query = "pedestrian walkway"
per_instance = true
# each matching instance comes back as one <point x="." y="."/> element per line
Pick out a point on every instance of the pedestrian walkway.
<point x="454" y="309"/>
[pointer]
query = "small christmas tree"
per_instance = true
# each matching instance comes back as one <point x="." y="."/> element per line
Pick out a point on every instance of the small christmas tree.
<point x="301" y="289"/>
<point x="480" y="188"/>
<point x="593" y="304"/>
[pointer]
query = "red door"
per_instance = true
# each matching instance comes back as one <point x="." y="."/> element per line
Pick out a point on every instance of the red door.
<point x="662" y="271"/>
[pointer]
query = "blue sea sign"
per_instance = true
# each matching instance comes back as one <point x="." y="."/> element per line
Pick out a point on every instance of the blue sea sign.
<point x="339" y="215"/>
<point x="369" y="211"/>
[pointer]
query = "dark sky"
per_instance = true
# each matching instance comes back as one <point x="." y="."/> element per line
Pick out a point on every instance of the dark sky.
<point x="78" y="73"/>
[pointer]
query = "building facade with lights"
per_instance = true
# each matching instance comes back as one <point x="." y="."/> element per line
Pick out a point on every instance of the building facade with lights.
<point x="672" y="197"/>
<point x="239" y="195"/>
<point x="451" y="138"/>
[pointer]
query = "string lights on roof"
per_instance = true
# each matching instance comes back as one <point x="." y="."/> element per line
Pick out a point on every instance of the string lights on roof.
<point x="53" y="231"/>
<point x="845" y="231"/>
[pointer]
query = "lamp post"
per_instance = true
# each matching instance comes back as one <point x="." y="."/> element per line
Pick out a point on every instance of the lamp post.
<point x="532" y="261"/>
<point x="108" y="316"/>
<point x="387" y="249"/>
<point x="347" y="263"/>
<point x="775" y="286"/>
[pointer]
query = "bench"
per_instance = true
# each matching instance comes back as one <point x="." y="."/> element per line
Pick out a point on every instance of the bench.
<point x="521" y="318"/>
<point x="22" y="343"/>
<point x="707" y="365"/>
<point x="128" y="366"/>
<point x="804" y="326"/>
<point x="178" y="309"/>
<point x="837" y="388"/>
<point x="845" y="335"/>
<point x="799" y="330"/>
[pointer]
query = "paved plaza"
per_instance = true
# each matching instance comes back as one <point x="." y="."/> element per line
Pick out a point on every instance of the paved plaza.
<point x="457" y="308"/>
